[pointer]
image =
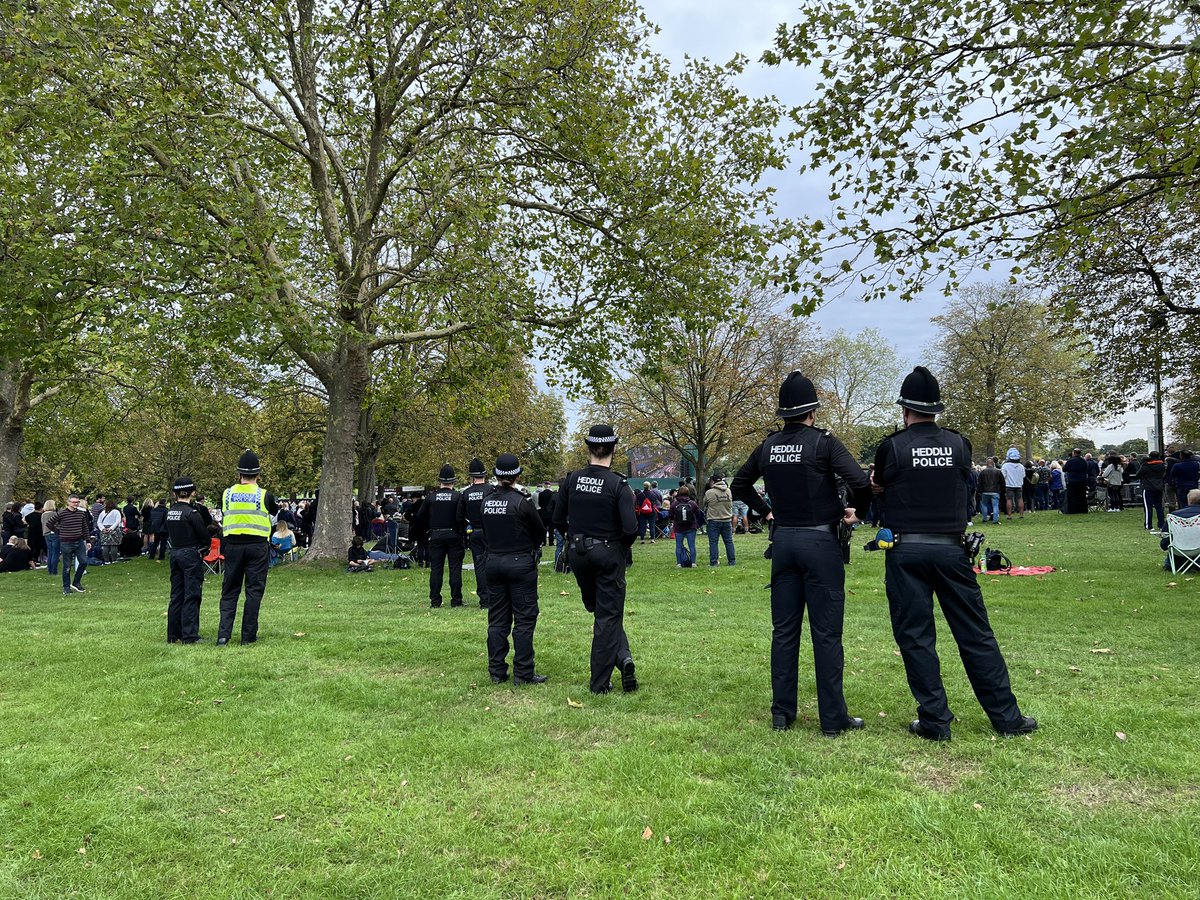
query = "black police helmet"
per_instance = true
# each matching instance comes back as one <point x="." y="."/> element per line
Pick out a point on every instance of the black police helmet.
<point x="183" y="485"/>
<point x="507" y="466"/>
<point x="920" y="392"/>
<point x="797" y="397"/>
<point x="446" y="476"/>
<point x="248" y="463"/>
<point x="475" y="468"/>
<point x="601" y="434"/>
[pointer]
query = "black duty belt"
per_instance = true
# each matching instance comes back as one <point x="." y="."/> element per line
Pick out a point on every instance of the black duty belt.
<point x="443" y="531"/>
<point x="916" y="537"/>
<point x="828" y="529"/>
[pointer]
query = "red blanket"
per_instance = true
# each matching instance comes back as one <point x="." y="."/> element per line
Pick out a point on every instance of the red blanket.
<point x="1019" y="570"/>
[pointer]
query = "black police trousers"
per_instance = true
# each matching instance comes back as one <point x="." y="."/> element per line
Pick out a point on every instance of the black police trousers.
<point x="600" y="574"/>
<point x="187" y="583"/>
<point x="807" y="571"/>
<point x="479" y="556"/>
<point x="512" y="578"/>
<point x="445" y="543"/>
<point x="914" y="573"/>
<point x="244" y="564"/>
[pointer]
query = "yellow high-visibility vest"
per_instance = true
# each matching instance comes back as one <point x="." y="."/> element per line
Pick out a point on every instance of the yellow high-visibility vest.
<point x="244" y="511"/>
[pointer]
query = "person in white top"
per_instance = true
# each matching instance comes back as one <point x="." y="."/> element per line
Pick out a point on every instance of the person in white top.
<point x="109" y="524"/>
<point x="1014" y="478"/>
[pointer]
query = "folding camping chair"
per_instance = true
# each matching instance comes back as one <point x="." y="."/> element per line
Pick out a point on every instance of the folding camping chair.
<point x="214" y="559"/>
<point x="1184" y="548"/>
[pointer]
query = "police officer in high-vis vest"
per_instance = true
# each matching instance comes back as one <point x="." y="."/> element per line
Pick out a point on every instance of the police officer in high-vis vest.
<point x="470" y="505"/>
<point x="438" y="518"/>
<point x="246" y="511"/>
<point x="800" y="464"/>
<point x="595" y="512"/>
<point x="187" y="529"/>
<point x="923" y="472"/>
<point x="514" y="540"/>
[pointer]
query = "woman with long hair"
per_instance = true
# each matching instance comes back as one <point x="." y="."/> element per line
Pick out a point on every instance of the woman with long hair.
<point x="1113" y="476"/>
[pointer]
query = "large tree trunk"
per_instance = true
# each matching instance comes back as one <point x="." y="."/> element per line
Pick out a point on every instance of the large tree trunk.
<point x="368" y="455"/>
<point x="346" y="384"/>
<point x="11" y="439"/>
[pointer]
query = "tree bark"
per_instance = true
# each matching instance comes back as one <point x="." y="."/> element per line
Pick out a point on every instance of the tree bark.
<point x="11" y="439"/>
<point x="346" y="383"/>
<point x="368" y="455"/>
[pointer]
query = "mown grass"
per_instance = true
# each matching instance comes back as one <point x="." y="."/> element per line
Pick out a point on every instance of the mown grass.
<point x="359" y="750"/>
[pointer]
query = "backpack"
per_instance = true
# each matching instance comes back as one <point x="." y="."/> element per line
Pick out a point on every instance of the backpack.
<point x="995" y="561"/>
<point x="684" y="513"/>
<point x="647" y="507"/>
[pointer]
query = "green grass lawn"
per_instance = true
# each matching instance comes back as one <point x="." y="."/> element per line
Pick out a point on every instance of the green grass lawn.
<point x="359" y="749"/>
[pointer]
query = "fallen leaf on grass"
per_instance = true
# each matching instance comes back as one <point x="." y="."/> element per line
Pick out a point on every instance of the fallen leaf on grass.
<point x="667" y="839"/>
<point x="882" y="714"/>
<point x="563" y="594"/>
<point x="82" y="851"/>
<point x="347" y="758"/>
<point x="977" y="805"/>
<point x="37" y="854"/>
<point x="574" y="703"/>
<point x="708" y="590"/>
<point x="1121" y="736"/>
<point x="1074" y="669"/>
<point x="1100" y="650"/>
<point x="647" y="834"/>
<point x="1172" y="584"/>
<point x="841" y="865"/>
<point x="139" y="788"/>
<point x="280" y="817"/>
<point x="298" y="634"/>
<point x="222" y="810"/>
<point x="404" y="783"/>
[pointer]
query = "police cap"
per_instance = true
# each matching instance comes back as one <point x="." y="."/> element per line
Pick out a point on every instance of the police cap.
<point x="475" y="468"/>
<point x="446" y="475"/>
<point x="507" y="466"/>
<point x="601" y="434"/>
<point x="797" y="396"/>
<point x="921" y="393"/>
<point x="183" y="484"/>
<point x="248" y="463"/>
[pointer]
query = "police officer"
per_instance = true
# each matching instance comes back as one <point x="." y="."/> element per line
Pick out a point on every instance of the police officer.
<point x="923" y="471"/>
<point x="595" y="511"/>
<point x="187" y="529"/>
<point x="514" y="538"/>
<point x="800" y="465"/>
<point x="469" y="508"/>
<point x="438" y="519"/>
<point x="246" y="511"/>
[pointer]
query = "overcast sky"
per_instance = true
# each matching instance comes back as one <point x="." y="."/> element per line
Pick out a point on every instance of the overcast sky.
<point x="718" y="29"/>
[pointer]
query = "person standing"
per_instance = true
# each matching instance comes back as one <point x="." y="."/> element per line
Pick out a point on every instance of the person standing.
<point x="1152" y="475"/>
<point x="110" y="532"/>
<point x="470" y="520"/>
<point x="50" y="537"/>
<point x="73" y="526"/>
<point x="991" y="486"/>
<point x="545" y="502"/>
<point x="685" y="518"/>
<point x="1075" y="476"/>
<point x="514" y="532"/>
<point x="187" y="530"/>
<point x="1186" y="475"/>
<point x="438" y="519"/>
<point x="800" y="465"/>
<point x="33" y="531"/>
<point x="1014" y="483"/>
<point x="922" y="471"/>
<point x="157" y="525"/>
<point x="246" y="511"/>
<point x="718" y="510"/>
<point x="595" y="512"/>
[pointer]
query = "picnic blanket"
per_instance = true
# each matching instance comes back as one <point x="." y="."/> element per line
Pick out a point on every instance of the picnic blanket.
<point x="1018" y="570"/>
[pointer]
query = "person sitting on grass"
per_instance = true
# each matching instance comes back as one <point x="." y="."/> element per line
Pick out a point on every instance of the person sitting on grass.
<point x="357" y="559"/>
<point x="15" y="556"/>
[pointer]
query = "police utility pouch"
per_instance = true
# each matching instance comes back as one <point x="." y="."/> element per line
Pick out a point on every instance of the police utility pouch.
<point x="581" y="544"/>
